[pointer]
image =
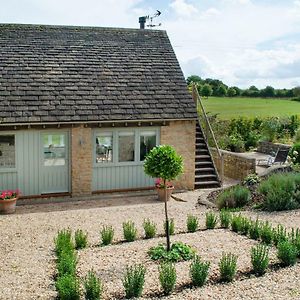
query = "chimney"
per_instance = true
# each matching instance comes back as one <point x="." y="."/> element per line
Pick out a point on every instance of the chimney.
<point x="142" y="21"/>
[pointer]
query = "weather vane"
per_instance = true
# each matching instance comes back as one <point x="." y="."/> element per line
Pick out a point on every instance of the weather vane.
<point x="142" y="20"/>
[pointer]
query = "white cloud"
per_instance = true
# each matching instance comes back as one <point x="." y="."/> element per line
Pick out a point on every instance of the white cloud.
<point x="183" y="9"/>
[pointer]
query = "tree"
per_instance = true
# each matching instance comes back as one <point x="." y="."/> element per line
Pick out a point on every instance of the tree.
<point x="221" y="91"/>
<point x="163" y="162"/>
<point x="269" y="91"/>
<point x="206" y="90"/>
<point x="231" y="92"/>
<point x="194" y="78"/>
<point x="296" y="92"/>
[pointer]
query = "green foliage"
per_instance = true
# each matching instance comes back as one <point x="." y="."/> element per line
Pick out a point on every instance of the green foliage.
<point x="66" y="263"/>
<point x="294" y="153"/>
<point x="134" y="280"/>
<point x="163" y="162"/>
<point x="279" y="234"/>
<point x="199" y="271"/>
<point x="178" y="252"/>
<point x="236" y="223"/>
<point x="80" y="239"/>
<point x="107" y="235"/>
<point x="297" y="137"/>
<point x="228" y="267"/>
<point x="63" y="242"/>
<point x="251" y="179"/>
<point x="254" y="230"/>
<point x="266" y="233"/>
<point x="206" y="90"/>
<point x="149" y="228"/>
<point x="93" y="287"/>
<point x="225" y="218"/>
<point x="171" y="227"/>
<point x="211" y="220"/>
<point x="237" y="196"/>
<point x="287" y="253"/>
<point x="167" y="277"/>
<point x="67" y="287"/>
<point x="192" y="223"/>
<point x="260" y="259"/>
<point x="129" y="231"/>
<point x="280" y="192"/>
<point x="245" y="225"/>
<point x="294" y="238"/>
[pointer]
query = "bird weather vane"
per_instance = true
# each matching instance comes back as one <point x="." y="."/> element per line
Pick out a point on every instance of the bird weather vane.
<point x="142" y="20"/>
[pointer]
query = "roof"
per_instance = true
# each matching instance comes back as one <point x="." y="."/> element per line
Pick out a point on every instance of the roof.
<point x="66" y="73"/>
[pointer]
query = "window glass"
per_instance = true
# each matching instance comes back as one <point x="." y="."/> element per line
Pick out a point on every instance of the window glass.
<point x="7" y="151"/>
<point x="126" y="146"/>
<point x="147" y="142"/>
<point x="104" y="147"/>
<point x="54" y="149"/>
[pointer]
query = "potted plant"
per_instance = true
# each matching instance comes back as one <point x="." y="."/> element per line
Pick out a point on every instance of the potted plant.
<point x="8" y="200"/>
<point x="160" y="188"/>
<point x="164" y="163"/>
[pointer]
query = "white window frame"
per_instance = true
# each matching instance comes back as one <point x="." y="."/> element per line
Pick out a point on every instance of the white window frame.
<point x="14" y="169"/>
<point x="115" y="146"/>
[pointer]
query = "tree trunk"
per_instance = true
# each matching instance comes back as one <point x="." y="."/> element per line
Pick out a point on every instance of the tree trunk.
<point x="167" y="219"/>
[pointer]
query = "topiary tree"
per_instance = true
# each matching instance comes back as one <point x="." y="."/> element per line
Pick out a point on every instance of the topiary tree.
<point x="163" y="162"/>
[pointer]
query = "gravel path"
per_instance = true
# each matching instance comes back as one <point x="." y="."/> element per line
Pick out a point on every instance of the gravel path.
<point x="27" y="263"/>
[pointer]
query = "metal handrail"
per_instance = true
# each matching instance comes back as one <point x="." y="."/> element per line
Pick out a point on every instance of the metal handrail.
<point x="208" y="128"/>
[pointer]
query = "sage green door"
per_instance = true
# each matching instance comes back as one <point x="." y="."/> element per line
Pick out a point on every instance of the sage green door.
<point x="54" y="164"/>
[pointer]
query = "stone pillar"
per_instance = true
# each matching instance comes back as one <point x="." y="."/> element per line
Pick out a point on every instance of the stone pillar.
<point x="182" y="136"/>
<point x="81" y="161"/>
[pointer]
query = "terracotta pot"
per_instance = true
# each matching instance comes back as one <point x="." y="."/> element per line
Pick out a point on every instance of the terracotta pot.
<point x="8" y="206"/>
<point x="161" y="193"/>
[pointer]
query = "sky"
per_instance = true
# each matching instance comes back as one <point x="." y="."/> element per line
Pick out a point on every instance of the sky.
<point x="241" y="42"/>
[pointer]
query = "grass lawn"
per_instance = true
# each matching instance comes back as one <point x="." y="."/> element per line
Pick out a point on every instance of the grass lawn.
<point x="228" y="108"/>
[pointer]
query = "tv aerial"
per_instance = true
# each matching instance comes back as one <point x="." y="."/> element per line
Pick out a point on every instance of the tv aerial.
<point x="142" y="20"/>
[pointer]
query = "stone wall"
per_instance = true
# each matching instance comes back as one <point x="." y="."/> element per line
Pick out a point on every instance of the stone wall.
<point x="270" y="148"/>
<point x="81" y="161"/>
<point x="236" y="166"/>
<point x="181" y="135"/>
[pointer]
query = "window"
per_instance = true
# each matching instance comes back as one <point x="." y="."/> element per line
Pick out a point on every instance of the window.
<point x="147" y="142"/>
<point x="126" y="146"/>
<point x="7" y="151"/>
<point x="104" y="147"/>
<point x="54" y="149"/>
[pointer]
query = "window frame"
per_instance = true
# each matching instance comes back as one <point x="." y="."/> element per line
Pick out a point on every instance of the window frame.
<point x="115" y="134"/>
<point x="14" y="169"/>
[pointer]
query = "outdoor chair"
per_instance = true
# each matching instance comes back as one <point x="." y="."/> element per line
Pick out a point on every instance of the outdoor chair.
<point x="280" y="157"/>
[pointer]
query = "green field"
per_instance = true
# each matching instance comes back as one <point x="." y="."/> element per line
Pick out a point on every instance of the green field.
<point x="228" y="108"/>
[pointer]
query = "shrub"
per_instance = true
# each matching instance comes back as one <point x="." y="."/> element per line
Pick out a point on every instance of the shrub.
<point x="245" y="225"/>
<point x="93" y="287"/>
<point x="251" y="179"/>
<point x="295" y="152"/>
<point x="66" y="264"/>
<point x="279" y="192"/>
<point x="167" y="277"/>
<point x="80" y="239"/>
<point x="107" y="235"/>
<point x="225" y="218"/>
<point x="129" y="231"/>
<point x="237" y="196"/>
<point x="63" y="241"/>
<point x="294" y="237"/>
<point x="179" y="251"/>
<point x="228" y="267"/>
<point x="192" y="223"/>
<point x="279" y="235"/>
<point x="149" y="228"/>
<point x="287" y="253"/>
<point x="67" y="287"/>
<point x="199" y="271"/>
<point x="260" y="259"/>
<point x="254" y="230"/>
<point x="134" y="280"/>
<point x="171" y="227"/>
<point x="236" y="223"/>
<point x="211" y="220"/>
<point x="266" y="233"/>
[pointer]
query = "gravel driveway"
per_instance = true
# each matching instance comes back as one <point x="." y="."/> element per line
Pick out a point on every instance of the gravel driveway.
<point x="27" y="262"/>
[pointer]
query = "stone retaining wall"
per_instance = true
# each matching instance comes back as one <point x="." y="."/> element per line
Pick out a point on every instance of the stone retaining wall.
<point x="236" y="166"/>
